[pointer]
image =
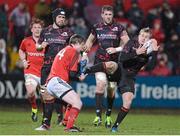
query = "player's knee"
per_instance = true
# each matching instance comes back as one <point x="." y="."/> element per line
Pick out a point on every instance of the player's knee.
<point x="45" y="96"/>
<point x="127" y="103"/>
<point x="101" y="82"/>
<point x="111" y="67"/>
<point x="100" y="87"/>
<point x="31" y="86"/>
<point x="49" y="101"/>
<point x="31" y="82"/>
<point x="30" y="93"/>
<point x="78" y="104"/>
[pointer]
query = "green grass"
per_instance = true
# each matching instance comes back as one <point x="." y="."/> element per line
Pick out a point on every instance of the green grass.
<point x="14" y="121"/>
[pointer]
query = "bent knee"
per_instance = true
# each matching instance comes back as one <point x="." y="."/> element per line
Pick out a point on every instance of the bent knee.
<point x="30" y="93"/>
<point x="101" y="82"/>
<point x="78" y="104"/>
<point x="46" y="97"/>
<point x="31" y="82"/>
<point x="111" y="67"/>
<point x="127" y="104"/>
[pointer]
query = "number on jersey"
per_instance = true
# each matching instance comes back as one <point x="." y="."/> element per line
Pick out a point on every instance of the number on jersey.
<point x="61" y="54"/>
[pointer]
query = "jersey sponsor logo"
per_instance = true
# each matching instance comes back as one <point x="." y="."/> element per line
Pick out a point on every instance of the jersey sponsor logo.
<point x="56" y="40"/>
<point x="106" y="36"/>
<point x="35" y="54"/>
<point x="99" y="28"/>
<point x="48" y="33"/>
<point x="64" y="34"/>
<point x="115" y="28"/>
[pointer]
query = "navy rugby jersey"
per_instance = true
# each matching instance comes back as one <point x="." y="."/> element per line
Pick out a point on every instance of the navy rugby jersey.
<point x="56" y="39"/>
<point x="107" y="36"/>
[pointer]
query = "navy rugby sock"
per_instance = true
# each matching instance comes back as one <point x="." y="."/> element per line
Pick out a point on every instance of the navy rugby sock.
<point x="59" y="108"/>
<point x="110" y="101"/>
<point x="48" y="110"/>
<point x="99" y="99"/>
<point x="121" y="115"/>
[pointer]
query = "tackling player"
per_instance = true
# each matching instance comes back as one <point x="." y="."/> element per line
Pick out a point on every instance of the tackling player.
<point x="108" y="35"/>
<point x="64" y="69"/>
<point x="32" y="62"/>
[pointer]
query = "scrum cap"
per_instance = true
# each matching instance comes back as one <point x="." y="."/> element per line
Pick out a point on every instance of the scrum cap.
<point x="58" y="11"/>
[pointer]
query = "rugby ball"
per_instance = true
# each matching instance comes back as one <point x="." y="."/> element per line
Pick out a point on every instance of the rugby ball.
<point x="148" y="45"/>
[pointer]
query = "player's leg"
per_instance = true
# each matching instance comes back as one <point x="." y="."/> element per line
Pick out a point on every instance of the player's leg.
<point x="31" y="85"/>
<point x="110" y="100"/>
<point x="127" y="100"/>
<point x="66" y="115"/>
<point x="127" y="90"/>
<point x="44" y="74"/>
<point x="74" y="100"/>
<point x="57" y="105"/>
<point x="64" y="91"/>
<point x="101" y="84"/>
<point x="48" y="102"/>
<point x="113" y="75"/>
<point x="108" y="67"/>
<point x="59" y="110"/>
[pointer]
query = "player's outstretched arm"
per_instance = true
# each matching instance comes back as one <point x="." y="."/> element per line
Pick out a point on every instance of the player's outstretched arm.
<point x="89" y="42"/>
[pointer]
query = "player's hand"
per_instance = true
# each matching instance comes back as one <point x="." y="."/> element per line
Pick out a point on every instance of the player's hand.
<point x="44" y="44"/>
<point x="82" y="77"/>
<point x="140" y="50"/>
<point x="25" y="64"/>
<point x="155" y="46"/>
<point x="111" y="50"/>
<point x="84" y="56"/>
<point x="41" y="46"/>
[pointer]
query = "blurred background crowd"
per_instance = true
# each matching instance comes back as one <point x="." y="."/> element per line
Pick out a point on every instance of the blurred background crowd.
<point x="162" y="16"/>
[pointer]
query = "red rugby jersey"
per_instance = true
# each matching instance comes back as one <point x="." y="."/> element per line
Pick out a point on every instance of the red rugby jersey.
<point x="65" y="61"/>
<point x="35" y="58"/>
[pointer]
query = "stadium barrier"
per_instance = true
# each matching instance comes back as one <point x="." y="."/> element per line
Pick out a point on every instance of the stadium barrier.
<point x="151" y="92"/>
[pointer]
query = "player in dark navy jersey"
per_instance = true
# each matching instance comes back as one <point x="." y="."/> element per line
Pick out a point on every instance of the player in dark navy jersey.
<point x="111" y="37"/>
<point x="132" y="59"/>
<point x="53" y="38"/>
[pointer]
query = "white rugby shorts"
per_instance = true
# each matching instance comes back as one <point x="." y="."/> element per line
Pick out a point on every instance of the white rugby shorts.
<point x="58" y="87"/>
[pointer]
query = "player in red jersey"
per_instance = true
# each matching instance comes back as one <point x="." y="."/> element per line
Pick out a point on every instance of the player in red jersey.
<point x="64" y="69"/>
<point x="32" y="61"/>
